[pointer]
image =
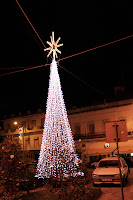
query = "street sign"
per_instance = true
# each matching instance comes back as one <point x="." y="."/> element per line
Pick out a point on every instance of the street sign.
<point x="20" y="130"/>
<point x="110" y="130"/>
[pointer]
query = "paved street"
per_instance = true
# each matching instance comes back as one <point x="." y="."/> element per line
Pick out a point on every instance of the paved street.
<point x="114" y="192"/>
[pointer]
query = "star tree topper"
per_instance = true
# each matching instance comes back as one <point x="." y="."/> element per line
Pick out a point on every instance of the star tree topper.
<point x="53" y="46"/>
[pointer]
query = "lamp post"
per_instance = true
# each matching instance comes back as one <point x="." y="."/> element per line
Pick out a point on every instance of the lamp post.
<point x="16" y="123"/>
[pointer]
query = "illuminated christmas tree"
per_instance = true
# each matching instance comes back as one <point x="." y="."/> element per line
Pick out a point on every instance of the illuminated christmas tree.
<point x="57" y="156"/>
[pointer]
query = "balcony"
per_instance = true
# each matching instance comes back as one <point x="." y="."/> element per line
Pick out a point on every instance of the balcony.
<point x="90" y="136"/>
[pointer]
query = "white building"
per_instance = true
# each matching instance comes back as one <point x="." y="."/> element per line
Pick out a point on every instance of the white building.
<point x="87" y="124"/>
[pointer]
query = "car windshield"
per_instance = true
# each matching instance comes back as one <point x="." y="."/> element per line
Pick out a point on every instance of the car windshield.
<point x="109" y="163"/>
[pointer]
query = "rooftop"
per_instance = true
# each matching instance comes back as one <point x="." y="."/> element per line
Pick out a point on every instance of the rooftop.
<point x="101" y="106"/>
<point x="75" y="110"/>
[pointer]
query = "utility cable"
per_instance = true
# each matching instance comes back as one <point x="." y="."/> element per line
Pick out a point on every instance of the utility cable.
<point x="26" y="69"/>
<point x="30" y="23"/>
<point x="87" y="84"/>
<point x="50" y="57"/>
<point x="9" y="68"/>
<point x="94" y="48"/>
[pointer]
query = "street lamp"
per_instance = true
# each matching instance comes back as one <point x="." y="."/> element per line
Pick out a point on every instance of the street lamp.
<point x="22" y="128"/>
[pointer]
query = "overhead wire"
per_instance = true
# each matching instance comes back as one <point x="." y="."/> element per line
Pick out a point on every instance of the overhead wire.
<point x="87" y="84"/>
<point x="94" y="48"/>
<point x="26" y="69"/>
<point x="31" y="24"/>
<point x="10" y="68"/>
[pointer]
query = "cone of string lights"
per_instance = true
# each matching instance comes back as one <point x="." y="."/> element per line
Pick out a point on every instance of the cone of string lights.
<point x="57" y="157"/>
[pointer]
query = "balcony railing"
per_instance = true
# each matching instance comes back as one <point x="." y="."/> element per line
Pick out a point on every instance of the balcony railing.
<point x="90" y="136"/>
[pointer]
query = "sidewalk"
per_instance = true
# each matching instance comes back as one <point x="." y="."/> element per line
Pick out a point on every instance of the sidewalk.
<point x="128" y="195"/>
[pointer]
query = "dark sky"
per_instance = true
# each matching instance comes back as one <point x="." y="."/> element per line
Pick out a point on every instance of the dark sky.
<point x="81" y="26"/>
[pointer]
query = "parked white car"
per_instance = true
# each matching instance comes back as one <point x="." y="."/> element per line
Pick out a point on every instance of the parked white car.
<point x="107" y="171"/>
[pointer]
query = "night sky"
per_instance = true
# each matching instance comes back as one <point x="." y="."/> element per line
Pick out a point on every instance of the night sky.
<point x="81" y="26"/>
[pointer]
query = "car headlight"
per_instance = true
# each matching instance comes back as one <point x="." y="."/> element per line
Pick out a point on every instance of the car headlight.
<point x="95" y="175"/>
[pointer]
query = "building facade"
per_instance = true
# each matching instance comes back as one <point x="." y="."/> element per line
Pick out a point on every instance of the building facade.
<point x="88" y="128"/>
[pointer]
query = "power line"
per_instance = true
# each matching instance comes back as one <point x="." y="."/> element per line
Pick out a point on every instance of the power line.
<point x="32" y="28"/>
<point x="30" y="23"/>
<point x="10" y="68"/>
<point x="87" y="84"/>
<point x="26" y="69"/>
<point x="94" y="48"/>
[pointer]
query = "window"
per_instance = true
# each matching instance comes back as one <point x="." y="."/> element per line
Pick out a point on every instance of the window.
<point x="123" y="162"/>
<point x="109" y="163"/>
<point x="91" y="128"/>
<point x="122" y="119"/>
<point x="36" y="142"/>
<point x="29" y="156"/>
<point x="77" y="129"/>
<point x="27" y="142"/>
<point x="33" y="123"/>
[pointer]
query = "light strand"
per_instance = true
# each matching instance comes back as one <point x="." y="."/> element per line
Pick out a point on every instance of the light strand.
<point x="57" y="156"/>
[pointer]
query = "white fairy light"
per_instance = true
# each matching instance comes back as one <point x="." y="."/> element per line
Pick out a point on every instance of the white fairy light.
<point x="57" y="156"/>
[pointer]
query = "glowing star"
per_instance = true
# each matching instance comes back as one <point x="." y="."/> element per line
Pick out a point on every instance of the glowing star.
<point x="53" y="46"/>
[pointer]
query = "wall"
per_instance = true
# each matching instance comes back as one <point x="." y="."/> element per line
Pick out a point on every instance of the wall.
<point x="101" y="116"/>
<point x="30" y="133"/>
